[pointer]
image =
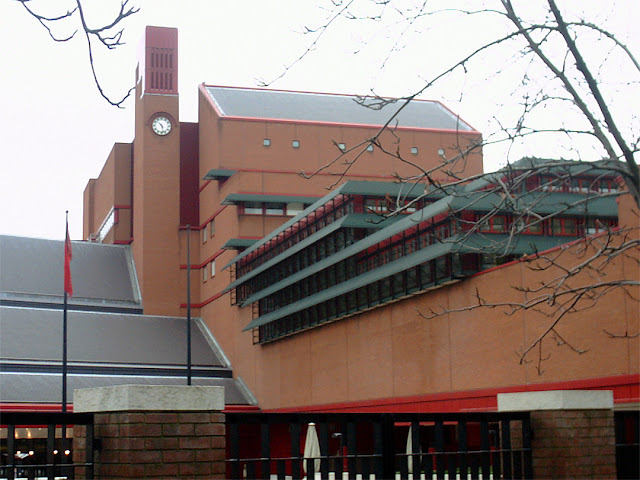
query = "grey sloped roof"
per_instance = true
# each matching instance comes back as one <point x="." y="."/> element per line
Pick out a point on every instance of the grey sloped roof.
<point x="32" y="272"/>
<point x="102" y="338"/>
<point x="104" y="349"/>
<point x="330" y="108"/>
<point x="109" y="341"/>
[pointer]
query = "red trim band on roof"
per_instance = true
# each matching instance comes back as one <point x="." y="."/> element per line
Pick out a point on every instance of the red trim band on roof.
<point x="287" y="121"/>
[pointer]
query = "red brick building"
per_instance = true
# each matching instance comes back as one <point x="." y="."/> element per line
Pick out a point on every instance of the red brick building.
<point x="235" y="185"/>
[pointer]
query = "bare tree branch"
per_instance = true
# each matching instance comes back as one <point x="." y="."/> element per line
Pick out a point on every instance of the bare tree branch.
<point x="102" y="33"/>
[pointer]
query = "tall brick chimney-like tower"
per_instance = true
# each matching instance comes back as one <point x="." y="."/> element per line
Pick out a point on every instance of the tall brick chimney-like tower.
<point x="158" y="60"/>
<point x="156" y="242"/>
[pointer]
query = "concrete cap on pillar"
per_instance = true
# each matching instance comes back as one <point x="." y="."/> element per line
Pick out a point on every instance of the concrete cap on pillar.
<point x="555" y="400"/>
<point x="148" y="398"/>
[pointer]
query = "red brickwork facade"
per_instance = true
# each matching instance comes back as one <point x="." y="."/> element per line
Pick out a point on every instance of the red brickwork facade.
<point x="573" y="444"/>
<point x="156" y="445"/>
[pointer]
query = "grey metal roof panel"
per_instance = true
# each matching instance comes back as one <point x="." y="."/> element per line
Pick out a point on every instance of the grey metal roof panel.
<point x="289" y="223"/>
<point x="331" y="108"/>
<point x="573" y="167"/>
<point x="403" y="222"/>
<point x="36" y="335"/>
<point x="31" y="269"/>
<point x="18" y="387"/>
<point x="544" y="203"/>
<point x="351" y="187"/>
<point x="288" y="252"/>
<point x="503" y="244"/>
<point x="473" y="243"/>
<point x="386" y="270"/>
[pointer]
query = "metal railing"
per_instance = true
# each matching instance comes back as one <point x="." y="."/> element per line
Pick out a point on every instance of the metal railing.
<point x="382" y="446"/>
<point x="36" y="445"/>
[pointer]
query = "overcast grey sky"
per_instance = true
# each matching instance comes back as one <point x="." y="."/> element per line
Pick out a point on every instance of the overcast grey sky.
<point x="56" y="131"/>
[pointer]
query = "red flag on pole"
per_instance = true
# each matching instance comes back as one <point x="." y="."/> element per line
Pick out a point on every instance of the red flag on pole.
<point x="68" y="286"/>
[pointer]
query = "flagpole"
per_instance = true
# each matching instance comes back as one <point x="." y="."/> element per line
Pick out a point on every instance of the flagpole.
<point x="188" y="304"/>
<point x="64" y="323"/>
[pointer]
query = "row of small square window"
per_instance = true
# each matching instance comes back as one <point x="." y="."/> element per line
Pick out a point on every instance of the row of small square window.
<point x="296" y="144"/>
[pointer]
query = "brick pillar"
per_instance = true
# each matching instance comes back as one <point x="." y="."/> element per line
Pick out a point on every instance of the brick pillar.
<point x="573" y="432"/>
<point x="154" y="431"/>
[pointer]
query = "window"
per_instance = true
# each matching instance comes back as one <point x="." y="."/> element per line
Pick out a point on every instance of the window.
<point x="595" y="225"/>
<point x="529" y="225"/>
<point x="342" y="146"/>
<point x="495" y="224"/>
<point x="582" y="185"/>
<point x="204" y="234"/>
<point x="295" y="144"/>
<point x="213" y="269"/>
<point x="564" y="226"/>
<point x="266" y="142"/>
<point x="370" y="147"/>
<point x="205" y="276"/>
<point x="414" y="150"/>
<point x="212" y="227"/>
<point x="271" y="208"/>
<point x="252" y="208"/>
<point x="376" y="205"/>
<point x="551" y="184"/>
<point x="607" y="186"/>
<point x="294" y="209"/>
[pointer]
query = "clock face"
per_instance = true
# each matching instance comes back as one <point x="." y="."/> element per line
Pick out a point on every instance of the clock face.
<point x="161" y="125"/>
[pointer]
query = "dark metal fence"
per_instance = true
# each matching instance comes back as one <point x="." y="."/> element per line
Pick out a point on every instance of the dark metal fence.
<point x="627" y="425"/>
<point x="364" y="445"/>
<point x="35" y="445"/>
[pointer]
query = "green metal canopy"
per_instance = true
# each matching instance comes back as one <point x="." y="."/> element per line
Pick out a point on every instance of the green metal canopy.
<point x="218" y="174"/>
<point x="236" y="243"/>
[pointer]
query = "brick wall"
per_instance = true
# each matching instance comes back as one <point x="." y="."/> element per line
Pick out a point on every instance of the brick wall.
<point x="573" y="444"/>
<point x="156" y="445"/>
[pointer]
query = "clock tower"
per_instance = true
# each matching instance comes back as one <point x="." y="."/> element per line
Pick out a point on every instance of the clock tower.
<point x="156" y="234"/>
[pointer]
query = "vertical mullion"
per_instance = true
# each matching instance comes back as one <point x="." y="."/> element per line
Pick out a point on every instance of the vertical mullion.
<point x="388" y="447"/>
<point x="281" y="468"/>
<point x="351" y="449"/>
<point x="11" y="451"/>
<point x="295" y="450"/>
<point x="51" y="446"/>
<point x="496" y="455"/>
<point x="89" y="458"/>
<point x="323" y="433"/>
<point x="416" y="449"/>
<point x="234" y="438"/>
<point x="265" y="450"/>
<point x="526" y="445"/>
<point x="378" y="448"/>
<point x="506" y="448"/>
<point x="439" y="434"/>
<point x="463" y="449"/>
<point x="485" y="455"/>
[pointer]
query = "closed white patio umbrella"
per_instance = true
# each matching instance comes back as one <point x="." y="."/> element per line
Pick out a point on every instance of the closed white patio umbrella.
<point x="312" y="448"/>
